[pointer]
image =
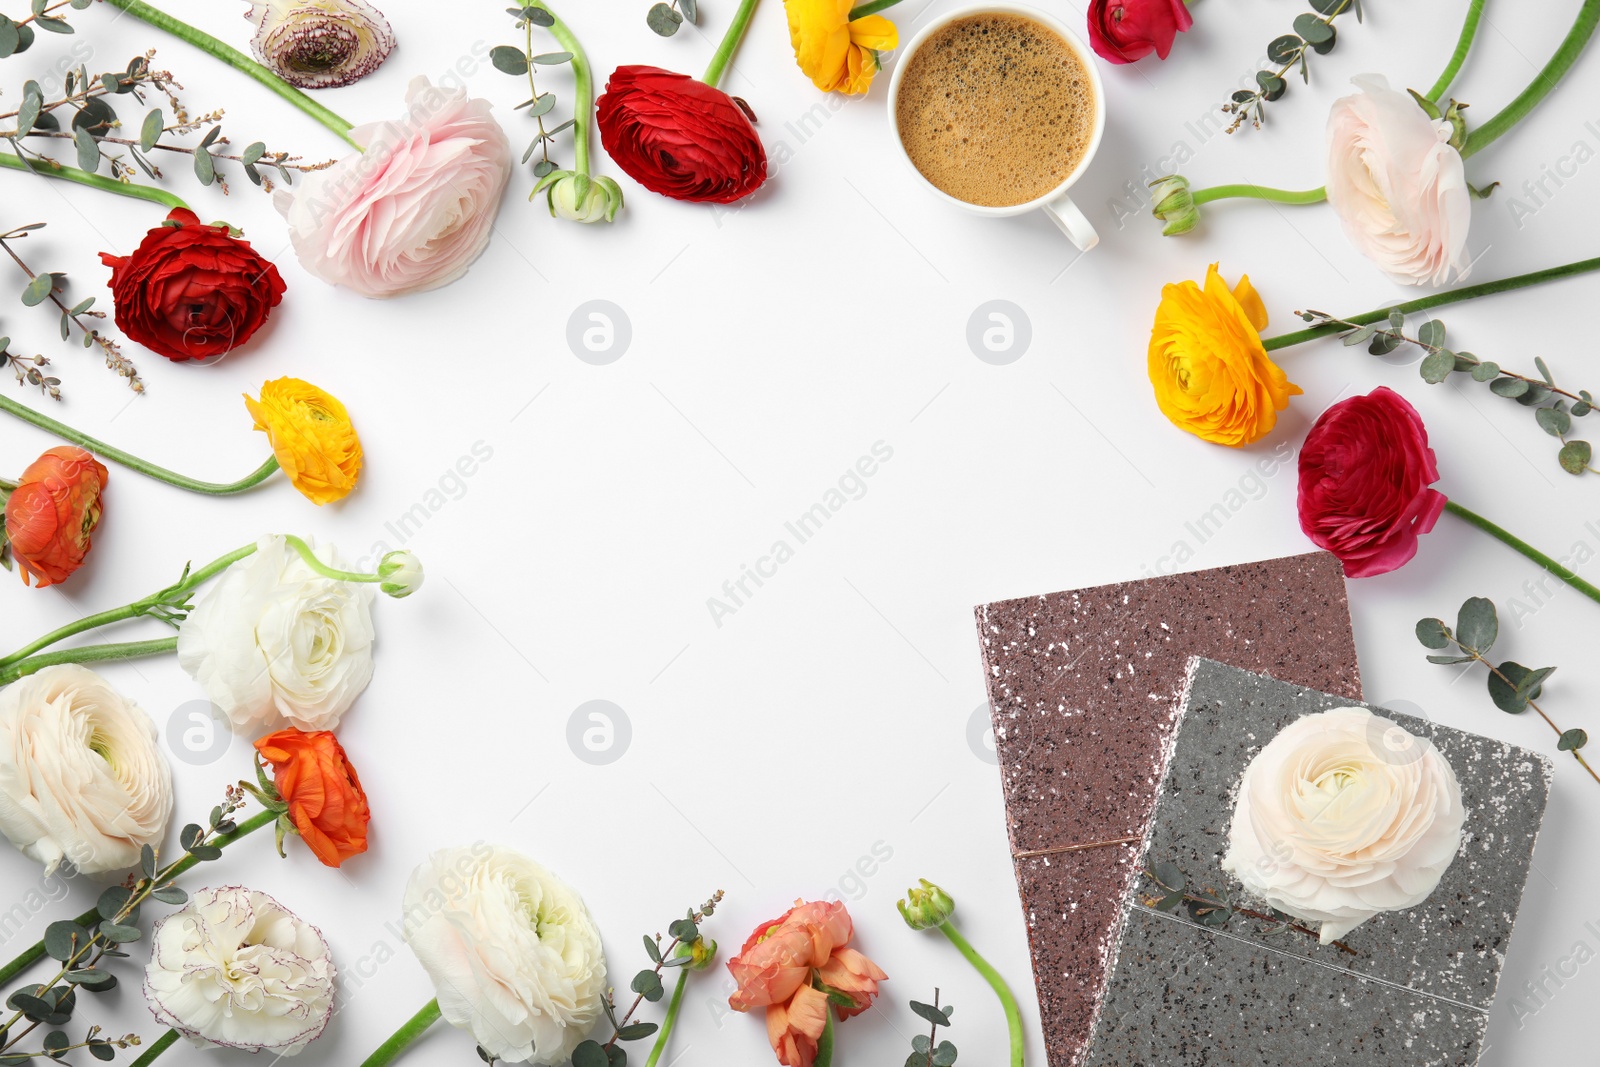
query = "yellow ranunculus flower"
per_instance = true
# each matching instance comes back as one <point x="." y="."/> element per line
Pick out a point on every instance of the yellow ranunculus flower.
<point x="312" y="437"/>
<point x="1211" y="374"/>
<point x="835" y="53"/>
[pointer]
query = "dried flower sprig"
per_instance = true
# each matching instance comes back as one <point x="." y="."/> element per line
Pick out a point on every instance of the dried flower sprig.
<point x="30" y="371"/>
<point x="1313" y="32"/>
<point x="687" y="951"/>
<point x="16" y="35"/>
<point x="1210" y="907"/>
<point x="1513" y="687"/>
<point x="95" y="122"/>
<point x="665" y="18"/>
<point x="42" y="287"/>
<point x="1553" y="407"/>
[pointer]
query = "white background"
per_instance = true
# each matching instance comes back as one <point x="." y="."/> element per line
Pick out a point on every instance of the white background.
<point x="772" y="345"/>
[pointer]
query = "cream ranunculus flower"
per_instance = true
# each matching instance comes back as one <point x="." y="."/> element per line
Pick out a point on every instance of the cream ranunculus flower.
<point x="320" y="44"/>
<point x="235" y="968"/>
<point x="1398" y="185"/>
<point x="82" y="780"/>
<point x="1343" y="815"/>
<point x="275" y="643"/>
<point x="511" y="949"/>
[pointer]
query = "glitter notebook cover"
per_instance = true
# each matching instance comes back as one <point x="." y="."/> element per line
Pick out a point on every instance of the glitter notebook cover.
<point x="1416" y="985"/>
<point x="1083" y="687"/>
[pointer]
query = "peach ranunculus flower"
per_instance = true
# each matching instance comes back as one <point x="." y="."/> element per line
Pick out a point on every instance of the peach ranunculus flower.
<point x="414" y="208"/>
<point x="1398" y="184"/>
<point x="320" y="795"/>
<point x="790" y="965"/>
<point x="311" y="437"/>
<point x="51" y="512"/>
<point x="1211" y="374"/>
<point x="834" y="52"/>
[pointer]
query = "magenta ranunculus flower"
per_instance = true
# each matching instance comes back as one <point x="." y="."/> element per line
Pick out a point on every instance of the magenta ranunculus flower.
<point x="1366" y="476"/>
<point x="1125" y="31"/>
<point x="415" y="208"/>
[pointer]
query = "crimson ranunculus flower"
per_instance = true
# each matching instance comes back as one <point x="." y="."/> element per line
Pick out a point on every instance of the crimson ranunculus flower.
<point x="1365" y="477"/>
<point x="51" y="513"/>
<point x="1124" y="31"/>
<point x="680" y="137"/>
<point x="192" y="290"/>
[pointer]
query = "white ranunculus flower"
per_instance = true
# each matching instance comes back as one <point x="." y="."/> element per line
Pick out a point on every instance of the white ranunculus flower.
<point x="1398" y="185"/>
<point x="320" y="44"/>
<point x="1343" y="815"/>
<point x="235" y="968"/>
<point x="276" y="643"/>
<point x="511" y="950"/>
<point x="82" y="779"/>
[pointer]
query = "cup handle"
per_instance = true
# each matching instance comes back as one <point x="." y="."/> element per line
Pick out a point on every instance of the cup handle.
<point x="1065" y="214"/>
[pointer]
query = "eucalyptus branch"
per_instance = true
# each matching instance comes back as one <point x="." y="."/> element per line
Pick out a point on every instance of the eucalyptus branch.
<point x="30" y="371"/>
<point x="47" y="287"/>
<point x="1312" y="33"/>
<point x="1513" y="687"/>
<point x="1553" y="407"/>
<point x="1214" y="909"/>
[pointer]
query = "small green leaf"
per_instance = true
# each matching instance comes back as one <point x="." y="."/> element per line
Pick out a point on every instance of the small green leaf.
<point x="1510" y="388"/>
<point x="1285" y="49"/>
<point x="651" y="949"/>
<point x="1272" y="86"/>
<point x="1312" y="28"/>
<point x="636" y="1031"/>
<point x="648" y="985"/>
<point x="1572" y="740"/>
<point x="1438" y="366"/>
<point x="509" y="60"/>
<point x="550" y="59"/>
<point x="112" y="901"/>
<point x="1433" y="633"/>
<point x="684" y="929"/>
<point x="88" y="150"/>
<point x="102" y="1050"/>
<point x="1575" y="456"/>
<point x="1397" y="318"/>
<point x="1537" y="394"/>
<point x="1359" y="336"/>
<point x="10" y="38"/>
<point x="589" y="1054"/>
<point x="1553" y="421"/>
<point x="1431" y="333"/>
<point x="1384" y="342"/>
<point x="170" y="894"/>
<point x="252" y="153"/>
<point x="1170" y="877"/>
<point x="1519" y="685"/>
<point x="38" y="290"/>
<point x="944" y="1055"/>
<point x="690" y="9"/>
<point x="929" y="1013"/>
<point x="121" y="935"/>
<point x="543" y="104"/>
<point x="1477" y="624"/>
<point x="63" y="939"/>
<point x="204" y="168"/>
<point x="1487" y="371"/>
<point x="663" y="20"/>
<point x="1544" y="370"/>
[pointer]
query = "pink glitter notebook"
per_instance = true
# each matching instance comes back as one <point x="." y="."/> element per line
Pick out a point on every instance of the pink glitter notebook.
<point x="1083" y="687"/>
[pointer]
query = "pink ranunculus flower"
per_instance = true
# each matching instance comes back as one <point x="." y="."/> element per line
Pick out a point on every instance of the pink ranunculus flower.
<point x="1398" y="185"/>
<point x="415" y="208"/>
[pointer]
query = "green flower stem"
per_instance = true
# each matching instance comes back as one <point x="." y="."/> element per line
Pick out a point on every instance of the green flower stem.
<point x="162" y="1043"/>
<point x="824" y="1056"/>
<point x="1260" y="192"/>
<point x="134" y="610"/>
<point x="582" y="88"/>
<point x="1469" y="30"/>
<point x="1450" y="296"/>
<point x="1543" y="83"/>
<point x="871" y="7"/>
<point x="414" y="1028"/>
<point x="51" y="169"/>
<point x="35" y="952"/>
<point x="1566" y="574"/>
<point x="731" y="39"/>
<point x="322" y="568"/>
<point x="132" y="462"/>
<point x="997" y="983"/>
<point x="238" y="61"/>
<point x="665" y="1034"/>
<point x="88" y="654"/>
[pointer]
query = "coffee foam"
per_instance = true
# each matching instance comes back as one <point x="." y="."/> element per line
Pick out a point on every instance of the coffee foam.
<point x="996" y="109"/>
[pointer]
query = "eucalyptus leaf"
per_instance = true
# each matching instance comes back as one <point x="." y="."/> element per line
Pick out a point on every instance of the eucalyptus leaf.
<point x="543" y="104"/>
<point x="1575" y="456"/>
<point x="551" y="59"/>
<point x="1431" y="333"/>
<point x="88" y="150"/>
<point x="1284" y="49"/>
<point x="1433" y="633"/>
<point x="1572" y="740"/>
<point x="38" y="290"/>
<point x="663" y="20"/>
<point x="1312" y="28"/>
<point x="1508" y="387"/>
<point x="1554" y="421"/>
<point x="1518" y="685"/>
<point x="1487" y="371"/>
<point x="1359" y="336"/>
<point x="1477" y="624"/>
<point x="690" y="9"/>
<point x="508" y="60"/>
<point x="1437" y="366"/>
<point x="150" y="132"/>
<point x="204" y="167"/>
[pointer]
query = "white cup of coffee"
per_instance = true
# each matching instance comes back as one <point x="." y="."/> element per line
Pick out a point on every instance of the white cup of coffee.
<point x="984" y="150"/>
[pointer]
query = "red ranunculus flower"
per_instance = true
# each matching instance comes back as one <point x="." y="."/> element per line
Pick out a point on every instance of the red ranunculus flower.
<point x="1365" y="473"/>
<point x="327" y="806"/>
<point x="52" y="512"/>
<point x="1124" y="31"/>
<point x="680" y="137"/>
<point x="192" y="290"/>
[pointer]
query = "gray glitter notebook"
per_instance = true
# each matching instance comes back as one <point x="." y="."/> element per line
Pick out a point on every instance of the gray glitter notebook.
<point x="1245" y="984"/>
<point x="1083" y="688"/>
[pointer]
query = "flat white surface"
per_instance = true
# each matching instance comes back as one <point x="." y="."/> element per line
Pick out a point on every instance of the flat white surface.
<point x="817" y="740"/>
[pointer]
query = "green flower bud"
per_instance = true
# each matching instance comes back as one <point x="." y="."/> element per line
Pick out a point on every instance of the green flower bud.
<point x="1174" y="205"/>
<point x="400" y="573"/>
<point x="701" y="952"/>
<point x="579" y="198"/>
<point x="928" y="906"/>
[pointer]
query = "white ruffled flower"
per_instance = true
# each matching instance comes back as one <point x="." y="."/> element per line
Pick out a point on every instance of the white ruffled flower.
<point x="1398" y="185"/>
<point x="82" y="779"/>
<point x="320" y="44"/>
<point x="511" y="950"/>
<point x="1343" y="815"/>
<point x="235" y="968"/>
<point x="276" y="643"/>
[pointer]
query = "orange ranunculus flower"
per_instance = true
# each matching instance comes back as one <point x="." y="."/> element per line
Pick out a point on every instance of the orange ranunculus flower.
<point x="311" y="435"/>
<point x="51" y="513"/>
<point x="1211" y="374"/>
<point x="325" y="800"/>
<point x="781" y="966"/>
<point x="835" y="53"/>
